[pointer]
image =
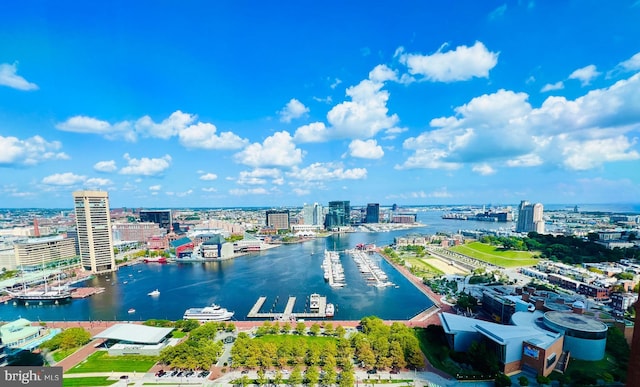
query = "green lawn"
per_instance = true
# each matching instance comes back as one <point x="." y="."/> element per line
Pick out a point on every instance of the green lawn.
<point x="422" y="264"/>
<point x="101" y="362"/>
<point x="62" y="353"/>
<point x="495" y="255"/>
<point x="278" y="339"/>
<point x="88" y="381"/>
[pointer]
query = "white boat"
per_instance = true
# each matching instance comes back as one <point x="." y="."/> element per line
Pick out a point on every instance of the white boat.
<point x="154" y="293"/>
<point x="329" y="310"/>
<point x="209" y="313"/>
<point x="131" y="311"/>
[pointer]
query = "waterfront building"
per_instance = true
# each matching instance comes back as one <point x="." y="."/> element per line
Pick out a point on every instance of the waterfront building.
<point x="38" y="253"/>
<point x="136" y="339"/>
<point x="373" y="213"/>
<point x="530" y="218"/>
<point x="22" y="335"/>
<point x="312" y="214"/>
<point x="138" y="232"/>
<point x="338" y="215"/>
<point x="7" y="256"/>
<point x="93" y="222"/>
<point x="404" y="218"/>
<point x="278" y="219"/>
<point x="584" y="337"/>
<point x="160" y="217"/>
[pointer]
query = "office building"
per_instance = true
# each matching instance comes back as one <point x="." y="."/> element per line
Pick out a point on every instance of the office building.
<point x="136" y="232"/>
<point x="338" y="215"/>
<point x="39" y="253"/>
<point x="93" y="223"/>
<point x="278" y="219"/>
<point x="160" y="217"/>
<point x="530" y="218"/>
<point x="373" y="213"/>
<point x="312" y="214"/>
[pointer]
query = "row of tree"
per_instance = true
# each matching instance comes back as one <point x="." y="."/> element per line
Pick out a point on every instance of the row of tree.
<point x="67" y="339"/>
<point x="199" y="351"/>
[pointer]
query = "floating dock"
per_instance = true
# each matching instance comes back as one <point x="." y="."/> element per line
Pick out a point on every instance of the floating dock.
<point x="288" y="312"/>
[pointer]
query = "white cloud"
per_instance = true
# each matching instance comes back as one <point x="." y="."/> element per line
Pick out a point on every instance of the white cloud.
<point x="209" y="176"/>
<point x="301" y="191"/>
<point x="552" y="86"/>
<point x="156" y="187"/>
<point x="209" y="189"/>
<point x="30" y="151"/>
<point x="191" y="134"/>
<point x="335" y="83"/>
<point x="277" y="150"/>
<point x="440" y="193"/>
<point x="382" y="73"/>
<point x="365" y="115"/>
<point x="9" y="77"/>
<point x="96" y="182"/>
<point x="293" y="109"/>
<point x="184" y="193"/>
<point x="631" y="64"/>
<point x="368" y="149"/>
<point x="326" y="172"/>
<point x="585" y="74"/>
<point x="259" y="176"/>
<point x="313" y="132"/>
<point x="203" y="135"/>
<point x="146" y="166"/>
<point x="252" y="191"/>
<point x="461" y="64"/>
<point x="67" y="178"/>
<point x="392" y="133"/>
<point x="168" y="128"/>
<point x="483" y="169"/>
<point x="503" y="129"/>
<point x="105" y="166"/>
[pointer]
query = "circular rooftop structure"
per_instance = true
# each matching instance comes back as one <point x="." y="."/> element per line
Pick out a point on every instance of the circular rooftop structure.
<point x="574" y="322"/>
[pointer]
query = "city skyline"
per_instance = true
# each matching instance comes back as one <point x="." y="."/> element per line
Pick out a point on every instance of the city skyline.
<point x="241" y="104"/>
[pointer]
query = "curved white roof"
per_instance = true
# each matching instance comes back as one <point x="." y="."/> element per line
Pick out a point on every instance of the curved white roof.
<point x="134" y="333"/>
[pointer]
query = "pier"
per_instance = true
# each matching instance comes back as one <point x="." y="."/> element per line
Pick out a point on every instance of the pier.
<point x="288" y="312"/>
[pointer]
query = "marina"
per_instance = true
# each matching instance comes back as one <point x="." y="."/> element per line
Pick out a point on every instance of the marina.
<point x="317" y="309"/>
<point x="333" y="270"/>
<point x="371" y="272"/>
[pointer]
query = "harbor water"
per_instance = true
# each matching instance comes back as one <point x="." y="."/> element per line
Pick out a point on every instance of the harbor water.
<point x="278" y="273"/>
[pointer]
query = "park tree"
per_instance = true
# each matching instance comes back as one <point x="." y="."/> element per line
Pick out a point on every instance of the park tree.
<point x="502" y="380"/>
<point x="277" y="378"/>
<point x="314" y="329"/>
<point x="300" y="328"/>
<point x="396" y="354"/>
<point x="286" y="327"/>
<point x="328" y="329"/>
<point x="340" y="331"/>
<point x="347" y="378"/>
<point x="296" y="376"/>
<point x="262" y="377"/>
<point x="329" y="377"/>
<point x="312" y="375"/>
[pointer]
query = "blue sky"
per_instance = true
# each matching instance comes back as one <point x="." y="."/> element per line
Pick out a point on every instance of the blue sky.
<point x="238" y="103"/>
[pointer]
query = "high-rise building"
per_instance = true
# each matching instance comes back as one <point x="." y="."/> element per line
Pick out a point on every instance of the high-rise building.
<point x="278" y="219"/>
<point x="373" y="213"/>
<point x="530" y="217"/>
<point x="312" y="213"/>
<point x="338" y="215"/>
<point x="93" y="223"/>
<point x="160" y="217"/>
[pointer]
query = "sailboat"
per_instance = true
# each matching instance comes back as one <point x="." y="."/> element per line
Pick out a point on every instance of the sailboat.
<point x="41" y="296"/>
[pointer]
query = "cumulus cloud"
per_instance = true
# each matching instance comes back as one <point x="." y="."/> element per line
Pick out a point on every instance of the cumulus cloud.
<point x="67" y="178"/>
<point x="146" y="166"/>
<point x="30" y="151"/>
<point x="483" y="169"/>
<point x="244" y="192"/>
<point x="105" y="166"/>
<point x="276" y="151"/>
<point x="631" y="64"/>
<point x="313" y="132"/>
<point x="382" y="73"/>
<point x="293" y="109"/>
<point x="260" y="176"/>
<point x="203" y="136"/>
<point x="503" y="130"/>
<point x="368" y="149"/>
<point x="9" y="77"/>
<point x="208" y="176"/>
<point x="365" y="115"/>
<point x="585" y="74"/>
<point x="156" y="187"/>
<point x="192" y="134"/>
<point x="461" y="64"/>
<point x="552" y="86"/>
<point x="326" y="172"/>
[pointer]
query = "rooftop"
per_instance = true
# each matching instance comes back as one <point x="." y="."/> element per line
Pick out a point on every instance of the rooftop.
<point x="134" y="333"/>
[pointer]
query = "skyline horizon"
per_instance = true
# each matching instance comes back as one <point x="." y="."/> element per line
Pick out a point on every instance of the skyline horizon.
<point x="212" y="104"/>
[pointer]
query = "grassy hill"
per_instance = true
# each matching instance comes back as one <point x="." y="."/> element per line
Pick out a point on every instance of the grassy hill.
<point x="496" y="255"/>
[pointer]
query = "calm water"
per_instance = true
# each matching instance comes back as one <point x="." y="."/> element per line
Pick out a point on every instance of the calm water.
<point x="291" y="270"/>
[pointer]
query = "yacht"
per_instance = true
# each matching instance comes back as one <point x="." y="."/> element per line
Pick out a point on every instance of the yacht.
<point x="154" y="293"/>
<point x="329" y="310"/>
<point x="131" y="310"/>
<point x="208" y="313"/>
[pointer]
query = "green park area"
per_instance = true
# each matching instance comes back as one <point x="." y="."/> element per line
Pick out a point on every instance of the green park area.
<point x="496" y="255"/>
<point x="101" y="362"/>
<point x="87" y="381"/>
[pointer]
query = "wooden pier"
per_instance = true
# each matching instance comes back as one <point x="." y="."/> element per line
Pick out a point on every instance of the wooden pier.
<point x="288" y="312"/>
